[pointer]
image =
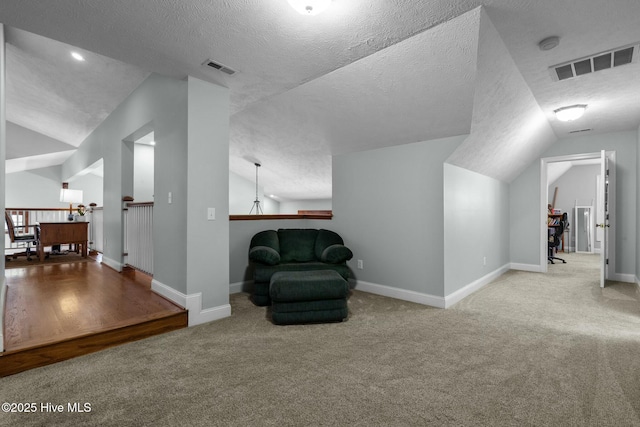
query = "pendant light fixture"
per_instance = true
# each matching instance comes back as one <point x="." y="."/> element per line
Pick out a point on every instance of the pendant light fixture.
<point x="310" y="7"/>
<point x="256" y="202"/>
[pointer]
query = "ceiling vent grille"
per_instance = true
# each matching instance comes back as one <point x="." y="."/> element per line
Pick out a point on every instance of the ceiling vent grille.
<point x="591" y="64"/>
<point x="219" y="67"/>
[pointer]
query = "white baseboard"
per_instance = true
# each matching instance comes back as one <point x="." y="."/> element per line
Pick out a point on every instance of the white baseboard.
<point x="472" y="287"/>
<point x="192" y="303"/>
<point x="3" y="296"/>
<point x="426" y="299"/>
<point x="238" y="287"/>
<point x="117" y="266"/>
<point x="526" y="267"/>
<point x="401" y="294"/>
<point x="627" y="278"/>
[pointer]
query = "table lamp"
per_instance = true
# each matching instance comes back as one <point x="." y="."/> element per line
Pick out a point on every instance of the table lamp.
<point x="71" y="197"/>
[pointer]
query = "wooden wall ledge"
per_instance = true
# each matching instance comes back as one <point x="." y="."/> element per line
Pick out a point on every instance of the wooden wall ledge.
<point x="280" y="216"/>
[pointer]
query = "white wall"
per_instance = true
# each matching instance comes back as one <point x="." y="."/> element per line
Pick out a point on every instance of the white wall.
<point x="40" y="188"/>
<point x="242" y="193"/>
<point x="143" y="172"/>
<point x="389" y="203"/>
<point x="525" y="194"/>
<point x="476" y="227"/>
<point x="293" y="206"/>
<point x="92" y="187"/>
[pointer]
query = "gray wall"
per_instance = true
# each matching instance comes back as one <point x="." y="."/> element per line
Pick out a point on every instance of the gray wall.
<point x="3" y="155"/>
<point x="191" y="163"/>
<point x="241" y="232"/>
<point x="163" y="102"/>
<point x="389" y="203"/>
<point x="476" y="226"/>
<point x="577" y="184"/>
<point x="524" y="217"/>
<point x="637" y="207"/>
<point x="525" y="195"/>
<point x="207" y="187"/>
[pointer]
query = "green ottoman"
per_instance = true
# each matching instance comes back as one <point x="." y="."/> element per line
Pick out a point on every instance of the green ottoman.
<point x="308" y="296"/>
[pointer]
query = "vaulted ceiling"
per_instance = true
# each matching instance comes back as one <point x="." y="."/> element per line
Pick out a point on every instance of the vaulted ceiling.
<point x="364" y="74"/>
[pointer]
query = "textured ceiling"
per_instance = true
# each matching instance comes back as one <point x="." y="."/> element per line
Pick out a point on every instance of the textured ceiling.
<point x="362" y="75"/>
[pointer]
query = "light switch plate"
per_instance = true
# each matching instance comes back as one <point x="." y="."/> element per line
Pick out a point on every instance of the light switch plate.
<point x="211" y="214"/>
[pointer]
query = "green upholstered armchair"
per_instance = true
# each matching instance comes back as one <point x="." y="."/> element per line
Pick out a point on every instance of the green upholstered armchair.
<point x="294" y="249"/>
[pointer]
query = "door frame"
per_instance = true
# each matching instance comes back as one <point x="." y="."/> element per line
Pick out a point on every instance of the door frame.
<point x="544" y="197"/>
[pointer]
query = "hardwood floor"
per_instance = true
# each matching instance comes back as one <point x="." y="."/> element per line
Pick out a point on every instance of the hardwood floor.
<point x="56" y="312"/>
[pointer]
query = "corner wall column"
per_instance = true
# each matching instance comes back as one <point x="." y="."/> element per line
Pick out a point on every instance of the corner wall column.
<point x="3" y="155"/>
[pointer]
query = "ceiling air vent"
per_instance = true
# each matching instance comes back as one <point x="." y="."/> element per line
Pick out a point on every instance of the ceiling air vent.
<point x="591" y="64"/>
<point x="219" y="67"/>
<point x="580" y="130"/>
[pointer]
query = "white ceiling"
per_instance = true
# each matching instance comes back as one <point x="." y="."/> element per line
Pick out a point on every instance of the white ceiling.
<point x="362" y="75"/>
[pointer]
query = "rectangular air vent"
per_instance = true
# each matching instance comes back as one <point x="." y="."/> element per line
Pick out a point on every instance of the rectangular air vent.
<point x="591" y="64"/>
<point x="218" y="66"/>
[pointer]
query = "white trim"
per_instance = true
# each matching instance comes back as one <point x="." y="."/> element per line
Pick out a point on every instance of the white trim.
<point x="544" y="197"/>
<point x="238" y="287"/>
<point x="474" y="286"/>
<point x="3" y="296"/>
<point x="526" y="267"/>
<point x="620" y="277"/>
<point x="192" y="303"/>
<point x="637" y="282"/>
<point x="432" y="300"/>
<point x="401" y="294"/>
<point x="117" y="266"/>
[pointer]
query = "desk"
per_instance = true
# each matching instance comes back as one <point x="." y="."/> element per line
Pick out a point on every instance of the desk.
<point x="59" y="233"/>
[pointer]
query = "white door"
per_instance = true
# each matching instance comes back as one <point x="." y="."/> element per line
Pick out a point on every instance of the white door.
<point x="604" y="220"/>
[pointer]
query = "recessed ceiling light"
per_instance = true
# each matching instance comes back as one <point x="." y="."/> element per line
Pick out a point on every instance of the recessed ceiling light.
<point x="77" y="56"/>
<point x="573" y="112"/>
<point x="152" y="143"/>
<point x="310" y="7"/>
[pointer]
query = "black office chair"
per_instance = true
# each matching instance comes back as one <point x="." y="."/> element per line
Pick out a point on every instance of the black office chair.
<point x="17" y="235"/>
<point x="556" y="237"/>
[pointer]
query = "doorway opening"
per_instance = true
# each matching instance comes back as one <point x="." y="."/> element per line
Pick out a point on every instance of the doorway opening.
<point x="600" y="196"/>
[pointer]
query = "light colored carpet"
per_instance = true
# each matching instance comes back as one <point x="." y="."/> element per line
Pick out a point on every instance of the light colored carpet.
<point x="526" y="350"/>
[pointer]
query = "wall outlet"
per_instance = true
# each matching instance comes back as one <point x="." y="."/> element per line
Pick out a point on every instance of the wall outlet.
<point x="360" y="264"/>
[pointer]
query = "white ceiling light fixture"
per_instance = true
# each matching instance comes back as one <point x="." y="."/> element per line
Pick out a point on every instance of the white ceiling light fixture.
<point x="77" y="56"/>
<point x="310" y="7"/>
<point x="572" y="112"/>
<point x="549" y="43"/>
